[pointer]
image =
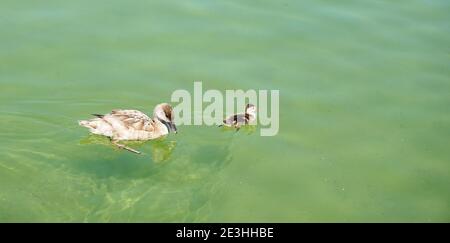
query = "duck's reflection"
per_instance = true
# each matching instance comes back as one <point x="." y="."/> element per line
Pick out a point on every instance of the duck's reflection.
<point x="179" y="186"/>
<point x="161" y="149"/>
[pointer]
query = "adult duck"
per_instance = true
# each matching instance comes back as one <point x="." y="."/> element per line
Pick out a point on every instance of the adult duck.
<point x="123" y="125"/>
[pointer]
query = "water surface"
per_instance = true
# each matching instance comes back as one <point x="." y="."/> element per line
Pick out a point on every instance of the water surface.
<point x="365" y="121"/>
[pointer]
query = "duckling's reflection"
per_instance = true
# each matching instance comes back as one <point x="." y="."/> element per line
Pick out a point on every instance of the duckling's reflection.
<point x="161" y="149"/>
<point x="248" y="129"/>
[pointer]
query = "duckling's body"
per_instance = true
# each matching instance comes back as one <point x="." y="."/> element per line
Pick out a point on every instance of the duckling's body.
<point x="120" y="125"/>
<point x="238" y="120"/>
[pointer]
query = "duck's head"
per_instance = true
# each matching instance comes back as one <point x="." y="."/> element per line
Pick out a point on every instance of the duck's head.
<point x="164" y="113"/>
<point x="250" y="109"/>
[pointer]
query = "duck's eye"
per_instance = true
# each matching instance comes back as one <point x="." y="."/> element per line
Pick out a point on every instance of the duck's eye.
<point x="169" y="115"/>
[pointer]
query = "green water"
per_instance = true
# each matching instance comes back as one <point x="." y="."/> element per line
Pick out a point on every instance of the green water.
<point x="364" y="111"/>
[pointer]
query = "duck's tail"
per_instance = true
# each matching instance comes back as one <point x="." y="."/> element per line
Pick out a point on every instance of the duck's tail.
<point x="88" y="124"/>
<point x="84" y="123"/>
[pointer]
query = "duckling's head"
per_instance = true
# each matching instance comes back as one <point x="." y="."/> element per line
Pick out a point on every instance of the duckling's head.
<point x="164" y="113"/>
<point x="250" y="109"/>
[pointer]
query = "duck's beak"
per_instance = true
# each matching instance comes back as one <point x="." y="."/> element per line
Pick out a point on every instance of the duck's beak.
<point x="173" y="127"/>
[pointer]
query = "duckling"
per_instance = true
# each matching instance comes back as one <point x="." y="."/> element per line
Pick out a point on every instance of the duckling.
<point x="123" y="125"/>
<point x="239" y="120"/>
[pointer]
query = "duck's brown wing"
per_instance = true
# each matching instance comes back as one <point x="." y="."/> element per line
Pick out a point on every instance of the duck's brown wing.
<point x="131" y="119"/>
